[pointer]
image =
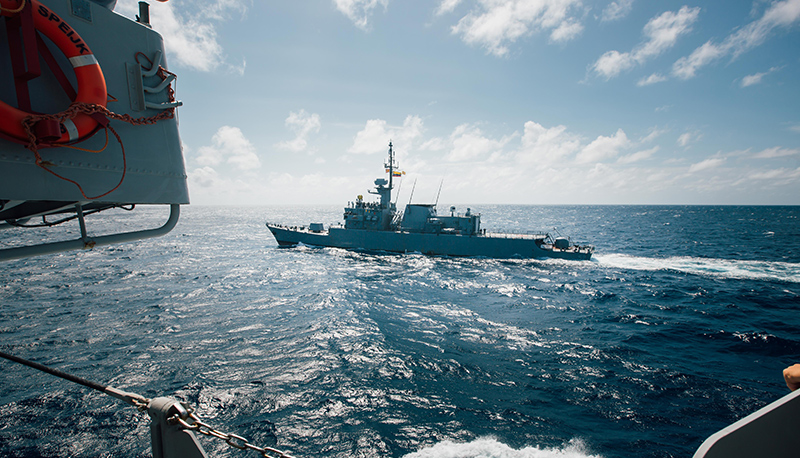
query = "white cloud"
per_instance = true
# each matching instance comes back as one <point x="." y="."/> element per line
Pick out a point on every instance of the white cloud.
<point x="494" y="24"/>
<point x="779" y="14"/>
<point x="638" y="156"/>
<point x="359" y="11"/>
<point x="190" y="30"/>
<point x="652" y="79"/>
<point x="776" y="177"/>
<point x="447" y="6"/>
<point x="541" y="145"/>
<point x="603" y="147"/>
<point x="756" y="78"/>
<point x="662" y="32"/>
<point x="612" y="63"/>
<point x="767" y="174"/>
<point x="539" y="164"/>
<point x="566" y="31"/>
<point x="686" y="67"/>
<point x="434" y="144"/>
<point x="654" y="133"/>
<point x="469" y="143"/>
<point x="689" y="137"/>
<point x="616" y="10"/>
<point x="229" y="146"/>
<point x="375" y="136"/>
<point x="205" y="177"/>
<point x="777" y="151"/>
<point x="707" y="164"/>
<point x="302" y="124"/>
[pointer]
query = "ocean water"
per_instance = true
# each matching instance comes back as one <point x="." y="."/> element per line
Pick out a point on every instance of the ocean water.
<point x="680" y="325"/>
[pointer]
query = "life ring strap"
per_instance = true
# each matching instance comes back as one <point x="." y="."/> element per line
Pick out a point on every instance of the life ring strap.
<point x="82" y="61"/>
<point x="72" y="130"/>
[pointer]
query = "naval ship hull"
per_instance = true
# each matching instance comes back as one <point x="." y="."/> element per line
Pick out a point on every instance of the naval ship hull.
<point x="442" y="244"/>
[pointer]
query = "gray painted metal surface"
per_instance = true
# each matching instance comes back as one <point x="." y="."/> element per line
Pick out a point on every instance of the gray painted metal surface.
<point x="150" y="156"/>
<point x="769" y="432"/>
<point x="155" y="170"/>
<point x="168" y="439"/>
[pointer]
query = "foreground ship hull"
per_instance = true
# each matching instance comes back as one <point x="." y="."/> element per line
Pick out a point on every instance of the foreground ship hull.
<point x="490" y="246"/>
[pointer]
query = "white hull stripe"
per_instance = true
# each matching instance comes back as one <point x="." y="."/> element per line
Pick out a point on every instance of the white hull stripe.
<point x="81" y="61"/>
<point x="71" y="129"/>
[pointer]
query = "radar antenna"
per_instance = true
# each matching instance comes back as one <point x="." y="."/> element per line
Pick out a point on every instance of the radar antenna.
<point x="438" y="193"/>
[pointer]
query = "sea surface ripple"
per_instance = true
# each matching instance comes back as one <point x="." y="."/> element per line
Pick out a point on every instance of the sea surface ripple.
<point x="680" y="325"/>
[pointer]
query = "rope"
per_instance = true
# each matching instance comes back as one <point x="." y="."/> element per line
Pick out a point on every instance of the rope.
<point x="45" y="165"/>
<point x="89" y="109"/>
<point x="14" y="11"/>
<point x="86" y="150"/>
<point x="56" y="372"/>
<point x="131" y="398"/>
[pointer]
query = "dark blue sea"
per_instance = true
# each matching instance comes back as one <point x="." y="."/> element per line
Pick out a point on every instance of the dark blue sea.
<point x="680" y="325"/>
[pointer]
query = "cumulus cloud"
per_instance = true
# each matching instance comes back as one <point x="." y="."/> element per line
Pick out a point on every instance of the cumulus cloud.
<point x="539" y="164"/>
<point x="447" y="6"/>
<point x="469" y="143"/>
<point x="662" y="32"/>
<point x="566" y="31"/>
<point x="375" y="136"/>
<point x="359" y="11"/>
<point x="616" y="10"/>
<point x="302" y="124"/>
<point x="190" y="30"/>
<point x="603" y="147"/>
<point x="546" y="146"/>
<point x="229" y="146"/>
<point x="495" y="24"/>
<point x="205" y="177"/>
<point x="779" y="14"/>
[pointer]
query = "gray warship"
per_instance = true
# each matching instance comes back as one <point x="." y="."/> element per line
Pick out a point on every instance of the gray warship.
<point x="378" y="226"/>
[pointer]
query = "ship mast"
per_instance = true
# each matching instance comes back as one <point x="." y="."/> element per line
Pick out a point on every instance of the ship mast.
<point x="390" y="167"/>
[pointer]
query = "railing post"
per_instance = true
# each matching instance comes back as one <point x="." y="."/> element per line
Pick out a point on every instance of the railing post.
<point x="168" y="439"/>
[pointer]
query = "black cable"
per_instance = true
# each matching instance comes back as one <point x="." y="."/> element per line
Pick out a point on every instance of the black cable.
<point x="56" y="372"/>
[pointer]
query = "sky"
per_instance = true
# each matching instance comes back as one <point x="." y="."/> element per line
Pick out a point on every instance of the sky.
<point x="497" y="101"/>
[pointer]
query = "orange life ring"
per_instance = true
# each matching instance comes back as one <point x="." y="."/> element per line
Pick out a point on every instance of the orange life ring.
<point x="91" y="82"/>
